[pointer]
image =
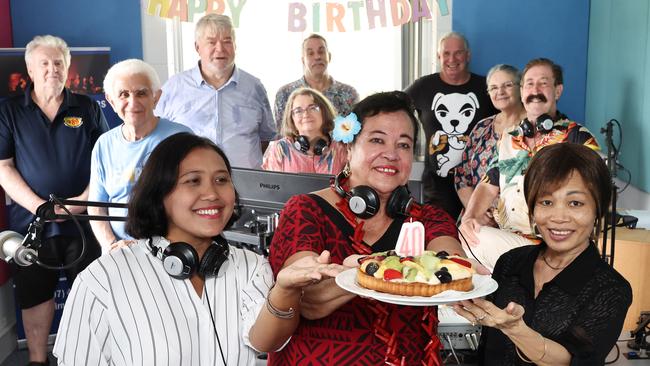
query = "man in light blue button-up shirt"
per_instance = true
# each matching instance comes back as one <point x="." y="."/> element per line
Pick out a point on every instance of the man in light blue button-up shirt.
<point x="218" y="100"/>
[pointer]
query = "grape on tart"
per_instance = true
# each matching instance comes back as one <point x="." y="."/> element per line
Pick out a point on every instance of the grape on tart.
<point x="425" y="275"/>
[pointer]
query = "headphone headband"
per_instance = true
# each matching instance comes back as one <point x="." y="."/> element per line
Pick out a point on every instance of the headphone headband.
<point x="364" y="201"/>
<point x="302" y="144"/>
<point x="181" y="260"/>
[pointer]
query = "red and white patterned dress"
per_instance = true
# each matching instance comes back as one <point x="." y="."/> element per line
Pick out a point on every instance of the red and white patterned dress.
<point x="362" y="331"/>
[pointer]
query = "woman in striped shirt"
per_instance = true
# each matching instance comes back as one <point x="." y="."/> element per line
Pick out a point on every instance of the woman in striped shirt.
<point x="195" y="301"/>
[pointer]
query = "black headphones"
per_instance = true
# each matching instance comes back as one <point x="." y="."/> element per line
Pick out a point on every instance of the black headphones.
<point x="544" y="124"/>
<point x="181" y="260"/>
<point x="363" y="201"/>
<point x="302" y="143"/>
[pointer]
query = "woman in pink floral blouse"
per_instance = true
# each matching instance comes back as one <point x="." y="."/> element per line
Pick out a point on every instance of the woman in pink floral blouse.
<point x="306" y="145"/>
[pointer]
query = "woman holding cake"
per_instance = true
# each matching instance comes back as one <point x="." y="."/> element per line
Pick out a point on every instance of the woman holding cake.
<point x="362" y="213"/>
<point x="558" y="303"/>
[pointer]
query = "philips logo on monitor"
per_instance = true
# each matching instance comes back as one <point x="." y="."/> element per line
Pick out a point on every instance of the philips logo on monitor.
<point x="275" y="187"/>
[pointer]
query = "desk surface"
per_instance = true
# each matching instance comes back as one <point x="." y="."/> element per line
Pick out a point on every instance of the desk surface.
<point x="622" y="360"/>
<point x="636" y="235"/>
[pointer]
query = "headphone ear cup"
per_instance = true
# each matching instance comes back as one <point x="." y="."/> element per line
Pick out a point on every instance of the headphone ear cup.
<point x="399" y="203"/>
<point x="215" y="259"/>
<point x="527" y="128"/>
<point x="364" y="202"/>
<point x="301" y="143"/>
<point x="180" y="260"/>
<point x="320" y="147"/>
<point x="544" y="123"/>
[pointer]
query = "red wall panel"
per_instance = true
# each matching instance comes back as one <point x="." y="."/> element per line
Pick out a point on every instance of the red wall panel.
<point x="5" y="24"/>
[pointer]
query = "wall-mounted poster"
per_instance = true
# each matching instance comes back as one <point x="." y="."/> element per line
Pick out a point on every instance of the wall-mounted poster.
<point x="88" y="66"/>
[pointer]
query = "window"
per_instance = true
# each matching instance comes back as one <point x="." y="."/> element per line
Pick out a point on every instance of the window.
<point x="371" y="60"/>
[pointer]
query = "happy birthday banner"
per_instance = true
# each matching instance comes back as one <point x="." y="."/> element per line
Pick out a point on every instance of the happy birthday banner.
<point x="315" y="16"/>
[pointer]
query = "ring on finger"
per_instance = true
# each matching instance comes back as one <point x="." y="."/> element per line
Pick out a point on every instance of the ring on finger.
<point x="481" y="317"/>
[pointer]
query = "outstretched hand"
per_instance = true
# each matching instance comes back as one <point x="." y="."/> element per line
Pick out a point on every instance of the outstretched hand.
<point x="308" y="270"/>
<point x="352" y="261"/>
<point x="483" y="312"/>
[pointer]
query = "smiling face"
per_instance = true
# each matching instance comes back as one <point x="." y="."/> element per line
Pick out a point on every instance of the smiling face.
<point x="307" y="116"/>
<point x="47" y="69"/>
<point x="216" y="49"/>
<point x="133" y="100"/>
<point x="565" y="218"/>
<point x="315" y="57"/>
<point x="382" y="154"/>
<point x="503" y="91"/>
<point x="201" y="203"/>
<point x="539" y="92"/>
<point x="454" y="59"/>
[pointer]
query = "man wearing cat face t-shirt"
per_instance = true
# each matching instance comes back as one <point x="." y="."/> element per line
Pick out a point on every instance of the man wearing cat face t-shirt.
<point x="449" y="104"/>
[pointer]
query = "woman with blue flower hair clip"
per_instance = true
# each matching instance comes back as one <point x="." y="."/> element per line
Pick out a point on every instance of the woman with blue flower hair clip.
<point x="339" y="327"/>
<point x="306" y="145"/>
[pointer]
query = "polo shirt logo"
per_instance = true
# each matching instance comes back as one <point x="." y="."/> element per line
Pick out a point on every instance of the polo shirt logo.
<point x="73" y="122"/>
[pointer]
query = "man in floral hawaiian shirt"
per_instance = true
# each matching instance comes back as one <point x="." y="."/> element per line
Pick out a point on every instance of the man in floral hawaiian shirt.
<point x="315" y="59"/>
<point x="542" y="86"/>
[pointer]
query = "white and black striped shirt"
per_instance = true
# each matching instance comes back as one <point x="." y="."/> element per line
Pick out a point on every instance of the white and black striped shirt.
<point x="124" y="309"/>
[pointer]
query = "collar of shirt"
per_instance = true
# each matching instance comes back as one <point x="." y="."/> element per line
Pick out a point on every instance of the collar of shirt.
<point x="198" y="78"/>
<point x="69" y="99"/>
<point x="571" y="279"/>
<point x="304" y="83"/>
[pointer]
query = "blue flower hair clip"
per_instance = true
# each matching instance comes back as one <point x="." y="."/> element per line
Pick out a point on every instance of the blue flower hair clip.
<point x="345" y="128"/>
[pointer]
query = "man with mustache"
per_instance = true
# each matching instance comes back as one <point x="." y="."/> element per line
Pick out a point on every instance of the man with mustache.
<point x="315" y="59"/>
<point x="449" y="104"/>
<point x="542" y="86"/>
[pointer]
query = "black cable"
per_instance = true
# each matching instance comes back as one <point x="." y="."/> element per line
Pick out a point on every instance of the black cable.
<point x="214" y="326"/>
<point x="83" y="240"/>
<point x="629" y="177"/>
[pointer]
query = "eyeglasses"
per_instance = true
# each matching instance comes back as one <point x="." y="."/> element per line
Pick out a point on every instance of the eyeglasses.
<point x="299" y="112"/>
<point x="507" y="85"/>
<point x="541" y="84"/>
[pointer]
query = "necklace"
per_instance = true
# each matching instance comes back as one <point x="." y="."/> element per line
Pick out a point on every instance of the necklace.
<point x="553" y="267"/>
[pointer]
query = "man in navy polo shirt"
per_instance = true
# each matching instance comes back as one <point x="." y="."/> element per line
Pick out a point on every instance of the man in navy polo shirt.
<point x="46" y="138"/>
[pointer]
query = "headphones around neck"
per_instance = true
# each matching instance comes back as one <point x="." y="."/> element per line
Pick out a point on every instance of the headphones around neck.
<point x="181" y="260"/>
<point x="543" y="124"/>
<point x="302" y="143"/>
<point x="363" y="201"/>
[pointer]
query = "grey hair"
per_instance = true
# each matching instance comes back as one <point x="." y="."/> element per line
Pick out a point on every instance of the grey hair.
<point x="214" y="22"/>
<point x="448" y="35"/>
<point x="127" y="68"/>
<point x="513" y="71"/>
<point x="48" y="41"/>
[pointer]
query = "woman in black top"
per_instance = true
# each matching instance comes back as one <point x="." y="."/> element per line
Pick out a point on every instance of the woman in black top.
<point x="558" y="303"/>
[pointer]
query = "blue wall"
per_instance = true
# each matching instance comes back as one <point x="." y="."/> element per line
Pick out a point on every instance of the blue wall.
<point x="515" y="31"/>
<point x="81" y="23"/>
<point x="619" y="79"/>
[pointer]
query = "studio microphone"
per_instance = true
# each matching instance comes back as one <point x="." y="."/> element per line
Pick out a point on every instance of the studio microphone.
<point x="12" y="247"/>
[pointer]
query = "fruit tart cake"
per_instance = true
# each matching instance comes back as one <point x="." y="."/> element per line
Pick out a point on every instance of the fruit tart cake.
<point x="424" y="275"/>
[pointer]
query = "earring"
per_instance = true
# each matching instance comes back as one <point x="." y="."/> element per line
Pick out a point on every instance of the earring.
<point x="346" y="170"/>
